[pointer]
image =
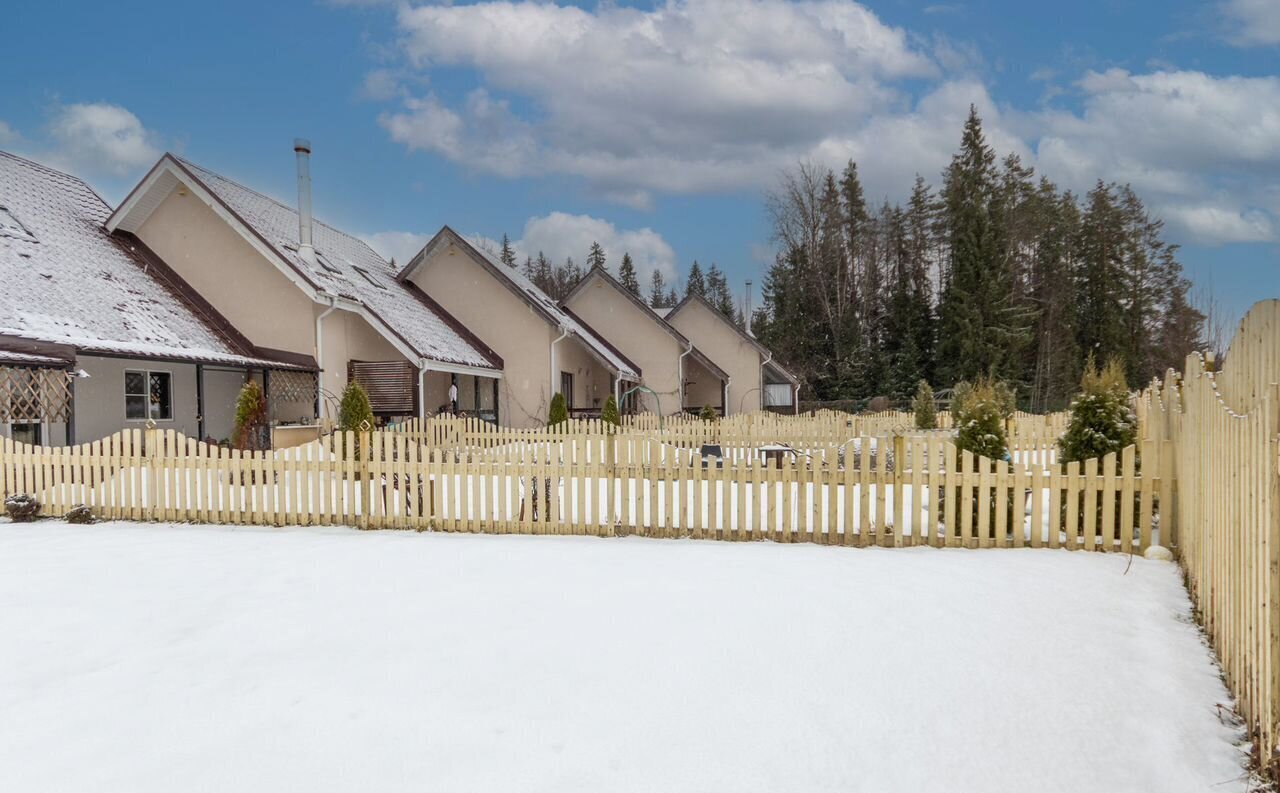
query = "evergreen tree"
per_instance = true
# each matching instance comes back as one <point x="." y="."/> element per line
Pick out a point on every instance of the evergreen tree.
<point x="1101" y="421"/>
<point x="695" y="285"/>
<point x="559" y="411"/>
<point x="718" y="294"/>
<point x="980" y="428"/>
<point x="924" y="407"/>
<point x="251" y="417"/>
<point x="627" y="274"/>
<point x="609" y="414"/>
<point x="508" y="255"/>
<point x="672" y="297"/>
<point x="596" y="257"/>
<point x="657" y="290"/>
<point x="354" y="412"/>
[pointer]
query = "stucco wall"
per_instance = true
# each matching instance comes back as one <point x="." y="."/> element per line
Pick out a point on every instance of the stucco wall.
<point x="732" y="353"/>
<point x="703" y="387"/>
<point x="219" y="264"/>
<point x="348" y="337"/>
<point x="638" y="336"/>
<point x="100" y="397"/>
<point x="592" y="381"/>
<point x="503" y="321"/>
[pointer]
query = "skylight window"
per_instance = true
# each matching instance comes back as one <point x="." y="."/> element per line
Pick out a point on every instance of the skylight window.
<point x="10" y="226"/>
<point x="368" y="276"/>
<point x="325" y="263"/>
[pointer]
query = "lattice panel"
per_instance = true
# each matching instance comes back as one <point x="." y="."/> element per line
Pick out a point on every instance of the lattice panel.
<point x="33" y="394"/>
<point x="291" y="386"/>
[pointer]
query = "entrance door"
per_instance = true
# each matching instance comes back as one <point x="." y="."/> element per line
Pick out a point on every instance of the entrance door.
<point x="566" y="388"/>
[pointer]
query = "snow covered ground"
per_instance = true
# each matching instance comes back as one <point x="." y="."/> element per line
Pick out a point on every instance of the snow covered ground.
<point x="159" y="658"/>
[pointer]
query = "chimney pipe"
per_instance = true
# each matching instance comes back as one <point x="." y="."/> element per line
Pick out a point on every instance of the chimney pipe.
<point x="302" y="148"/>
<point x="746" y="314"/>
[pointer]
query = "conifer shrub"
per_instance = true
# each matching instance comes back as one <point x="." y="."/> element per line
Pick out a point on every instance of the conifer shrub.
<point x="559" y="412"/>
<point x="354" y="412"/>
<point x="22" y="508"/>
<point x="1101" y="420"/>
<point x="707" y="413"/>
<point x="980" y="424"/>
<point x="923" y="406"/>
<point x="251" y="418"/>
<point x="610" y="413"/>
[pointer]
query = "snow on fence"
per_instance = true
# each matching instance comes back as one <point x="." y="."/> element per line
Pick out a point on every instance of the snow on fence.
<point x="1222" y="428"/>
<point x="900" y="491"/>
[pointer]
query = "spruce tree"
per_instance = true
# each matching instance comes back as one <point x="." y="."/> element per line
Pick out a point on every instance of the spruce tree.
<point x="609" y="414"/>
<point x="696" y="285"/>
<point x="596" y="257"/>
<point x="508" y="255"/>
<point x="657" y="290"/>
<point x="1101" y="420"/>
<point x="627" y="274"/>
<point x="354" y="412"/>
<point x="924" y="407"/>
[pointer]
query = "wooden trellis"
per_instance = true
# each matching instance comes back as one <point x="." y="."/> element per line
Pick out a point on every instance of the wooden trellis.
<point x="292" y="386"/>
<point x="30" y="394"/>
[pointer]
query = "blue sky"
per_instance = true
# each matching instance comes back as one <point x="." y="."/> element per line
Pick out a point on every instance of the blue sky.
<point x="657" y="127"/>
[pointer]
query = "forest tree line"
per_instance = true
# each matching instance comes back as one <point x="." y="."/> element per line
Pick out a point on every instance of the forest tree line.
<point x="997" y="274"/>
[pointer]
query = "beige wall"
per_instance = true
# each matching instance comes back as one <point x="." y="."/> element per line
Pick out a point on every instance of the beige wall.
<point x="348" y="337"/>
<point x="704" y="388"/>
<point x="726" y="347"/>
<point x="100" y="397"/>
<point x="592" y="381"/>
<point x="504" y="322"/>
<point x="644" y="341"/>
<point x="219" y="264"/>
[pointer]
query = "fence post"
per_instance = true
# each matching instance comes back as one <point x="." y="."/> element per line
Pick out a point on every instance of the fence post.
<point x="899" y="480"/>
<point x="151" y="441"/>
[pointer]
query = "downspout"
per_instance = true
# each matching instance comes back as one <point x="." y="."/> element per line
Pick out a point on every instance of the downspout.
<point x="680" y="363"/>
<point x="333" y="306"/>
<point x="724" y="397"/>
<point x="422" y="388"/>
<point x="554" y="369"/>
<point x="764" y="392"/>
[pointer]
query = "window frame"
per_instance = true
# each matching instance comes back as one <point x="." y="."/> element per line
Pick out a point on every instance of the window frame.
<point x="146" y="395"/>
<point x="368" y="276"/>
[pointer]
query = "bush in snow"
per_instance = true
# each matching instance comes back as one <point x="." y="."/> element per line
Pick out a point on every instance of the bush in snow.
<point x="981" y="424"/>
<point x="610" y="413"/>
<point x="80" y="514"/>
<point x="707" y="413"/>
<point x="354" y="412"/>
<point x="22" y="508"/>
<point x="559" y="412"/>
<point x="251" y="418"/>
<point x="1101" y="420"/>
<point x="924" y="408"/>
<point x="961" y="393"/>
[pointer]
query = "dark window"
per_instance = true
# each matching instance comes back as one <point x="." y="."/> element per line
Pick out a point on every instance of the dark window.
<point x="368" y="276"/>
<point x="26" y="432"/>
<point x="148" y="395"/>
<point x="566" y="388"/>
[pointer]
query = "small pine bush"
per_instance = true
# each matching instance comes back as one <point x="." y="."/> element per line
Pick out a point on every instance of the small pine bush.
<point x="559" y="412"/>
<point x="924" y="408"/>
<point x="981" y="425"/>
<point x="707" y="413"/>
<point x="610" y="413"/>
<point x="354" y="412"/>
<point x="960" y="396"/>
<point x="251" y="415"/>
<point x="1101" y="420"/>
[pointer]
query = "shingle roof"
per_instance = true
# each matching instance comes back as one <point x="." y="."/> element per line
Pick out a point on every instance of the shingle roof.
<point x="347" y="267"/>
<point x="67" y="281"/>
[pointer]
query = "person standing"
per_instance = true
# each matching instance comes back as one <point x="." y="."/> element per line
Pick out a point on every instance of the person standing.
<point x="453" y="397"/>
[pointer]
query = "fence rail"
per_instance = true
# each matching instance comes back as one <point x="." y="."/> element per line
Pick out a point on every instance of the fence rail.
<point x="907" y="491"/>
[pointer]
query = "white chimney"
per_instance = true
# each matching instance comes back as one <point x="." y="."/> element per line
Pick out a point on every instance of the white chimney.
<point x="302" y="148"/>
<point x="746" y="314"/>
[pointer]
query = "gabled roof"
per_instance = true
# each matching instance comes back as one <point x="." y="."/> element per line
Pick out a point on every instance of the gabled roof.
<point x="542" y="305"/>
<point x="747" y="337"/>
<point x="68" y="282"/>
<point x="599" y="273"/>
<point x="345" y="267"/>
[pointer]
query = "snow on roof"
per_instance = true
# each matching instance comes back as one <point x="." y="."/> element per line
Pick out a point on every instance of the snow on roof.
<point x="566" y="319"/>
<point x="347" y="267"/>
<point x="67" y="281"/>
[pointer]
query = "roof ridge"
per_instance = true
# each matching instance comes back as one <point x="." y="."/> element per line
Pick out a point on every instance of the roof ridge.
<point x="55" y="172"/>
<point x="277" y="202"/>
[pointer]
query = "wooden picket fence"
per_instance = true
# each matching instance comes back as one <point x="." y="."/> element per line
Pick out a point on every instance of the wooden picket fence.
<point x="1222" y="427"/>
<point x="903" y="491"/>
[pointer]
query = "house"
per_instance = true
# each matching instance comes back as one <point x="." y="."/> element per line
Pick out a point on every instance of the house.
<point x="95" y="337"/>
<point x="756" y="381"/>
<point x="674" y="369"/>
<point x="545" y="348"/>
<point x="306" y="290"/>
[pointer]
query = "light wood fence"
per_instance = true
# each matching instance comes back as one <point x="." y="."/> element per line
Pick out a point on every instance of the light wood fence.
<point x="1223" y="430"/>
<point x="906" y="491"/>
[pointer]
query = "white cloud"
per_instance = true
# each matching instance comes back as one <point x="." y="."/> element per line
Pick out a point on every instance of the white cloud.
<point x="692" y="95"/>
<point x="8" y="135"/>
<point x="101" y="138"/>
<point x="1253" y="23"/>
<point x="399" y="245"/>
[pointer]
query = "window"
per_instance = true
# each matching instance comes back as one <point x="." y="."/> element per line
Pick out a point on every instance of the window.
<point x="26" y="432"/>
<point x="369" y="277"/>
<point x="148" y="395"/>
<point x="566" y="388"/>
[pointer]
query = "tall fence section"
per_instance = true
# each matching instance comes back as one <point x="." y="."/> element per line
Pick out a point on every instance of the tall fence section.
<point x="1201" y="480"/>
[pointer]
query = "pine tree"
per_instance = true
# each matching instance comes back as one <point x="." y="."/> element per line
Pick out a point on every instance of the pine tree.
<point x="627" y="274"/>
<point x="596" y="257"/>
<point x="657" y="290"/>
<point x="508" y="255"/>
<point x="696" y="285"/>
<point x="981" y="427"/>
<point x="672" y="297"/>
<point x="924" y="407"/>
<point x="609" y="414"/>
<point x="1101" y="421"/>
<point x="718" y="294"/>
